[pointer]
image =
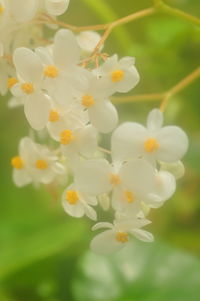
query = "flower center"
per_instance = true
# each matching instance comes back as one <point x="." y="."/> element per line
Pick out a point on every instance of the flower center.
<point x="51" y="71"/>
<point x="2" y="8"/>
<point x="117" y="76"/>
<point x="41" y="164"/>
<point x="115" y="179"/>
<point x="66" y="137"/>
<point x="11" y="82"/>
<point x="72" y="197"/>
<point x="54" y="116"/>
<point x="88" y="101"/>
<point x="151" y="145"/>
<point x="17" y="162"/>
<point x="27" y="88"/>
<point x="122" y="237"/>
<point x="129" y="196"/>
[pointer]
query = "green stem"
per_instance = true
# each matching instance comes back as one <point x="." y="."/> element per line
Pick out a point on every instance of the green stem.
<point x="160" y="5"/>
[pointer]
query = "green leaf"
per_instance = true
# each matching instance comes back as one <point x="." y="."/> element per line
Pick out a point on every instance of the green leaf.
<point x="140" y="272"/>
<point x="40" y="245"/>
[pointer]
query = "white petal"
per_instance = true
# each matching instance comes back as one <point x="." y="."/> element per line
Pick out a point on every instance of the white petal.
<point x="56" y="7"/>
<point x="23" y="11"/>
<point x="139" y="176"/>
<point x="87" y="140"/>
<point x="103" y="115"/>
<point x="90" y="212"/>
<point x="28" y="65"/>
<point x="143" y="235"/>
<point x="127" y="141"/>
<point x="37" y="109"/>
<point x="58" y="168"/>
<point x="76" y="210"/>
<point x="92" y="176"/>
<point x="165" y="185"/>
<point x="102" y="225"/>
<point x="155" y="120"/>
<point x="66" y="49"/>
<point x="173" y="144"/>
<point x="21" y="177"/>
<point x="105" y="243"/>
<point x="130" y="80"/>
<point x="175" y="168"/>
<point x="88" y="40"/>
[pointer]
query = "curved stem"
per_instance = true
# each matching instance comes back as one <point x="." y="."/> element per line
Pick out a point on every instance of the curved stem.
<point x="165" y="96"/>
<point x="179" y="87"/>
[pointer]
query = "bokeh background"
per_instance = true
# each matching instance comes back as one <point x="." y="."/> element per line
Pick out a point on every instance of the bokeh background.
<point x="44" y="254"/>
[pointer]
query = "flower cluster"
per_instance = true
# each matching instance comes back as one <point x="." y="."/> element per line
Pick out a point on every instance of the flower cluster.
<point x="67" y="96"/>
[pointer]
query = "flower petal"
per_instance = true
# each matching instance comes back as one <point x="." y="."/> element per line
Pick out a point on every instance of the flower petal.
<point x="92" y="176"/>
<point x="56" y="7"/>
<point x="21" y="177"/>
<point x="105" y="243"/>
<point x="37" y="109"/>
<point x="173" y="144"/>
<point x="87" y="140"/>
<point x="28" y="65"/>
<point x="139" y="176"/>
<point x="103" y="115"/>
<point x="66" y="50"/>
<point x="127" y="141"/>
<point x="143" y="235"/>
<point x="154" y="120"/>
<point x="23" y="11"/>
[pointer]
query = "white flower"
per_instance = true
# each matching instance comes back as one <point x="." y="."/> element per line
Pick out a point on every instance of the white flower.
<point x="35" y="163"/>
<point x="118" y="235"/>
<point x="30" y="75"/>
<point x="118" y="76"/>
<point x="154" y="143"/>
<point x="78" y="204"/>
<point x="79" y="141"/>
<point x="62" y="75"/>
<point x="130" y="183"/>
<point x="63" y="116"/>
<point x="93" y="97"/>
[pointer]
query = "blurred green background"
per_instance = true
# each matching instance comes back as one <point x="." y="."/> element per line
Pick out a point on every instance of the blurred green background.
<point x="44" y="254"/>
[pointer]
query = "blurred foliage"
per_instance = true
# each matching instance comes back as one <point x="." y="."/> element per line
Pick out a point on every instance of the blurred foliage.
<point x="43" y="254"/>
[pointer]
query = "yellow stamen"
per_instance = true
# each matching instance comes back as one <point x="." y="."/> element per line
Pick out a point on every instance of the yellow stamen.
<point x="129" y="196"/>
<point x="88" y="101"/>
<point x="11" y="82"/>
<point x="2" y="8"/>
<point x="117" y="76"/>
<point x="151" y="145"/>
<point x="66" y="137"/>
<point x="51" y="71"/>
<point x="72" y="197"/>
<point x="17" y="162"/>
<point x="122" y="237"/>
<point x="27" y="88"/>
<point x="41" y="164"/>
<point x="115" y="179"/>
<point x="54" y="116"/>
